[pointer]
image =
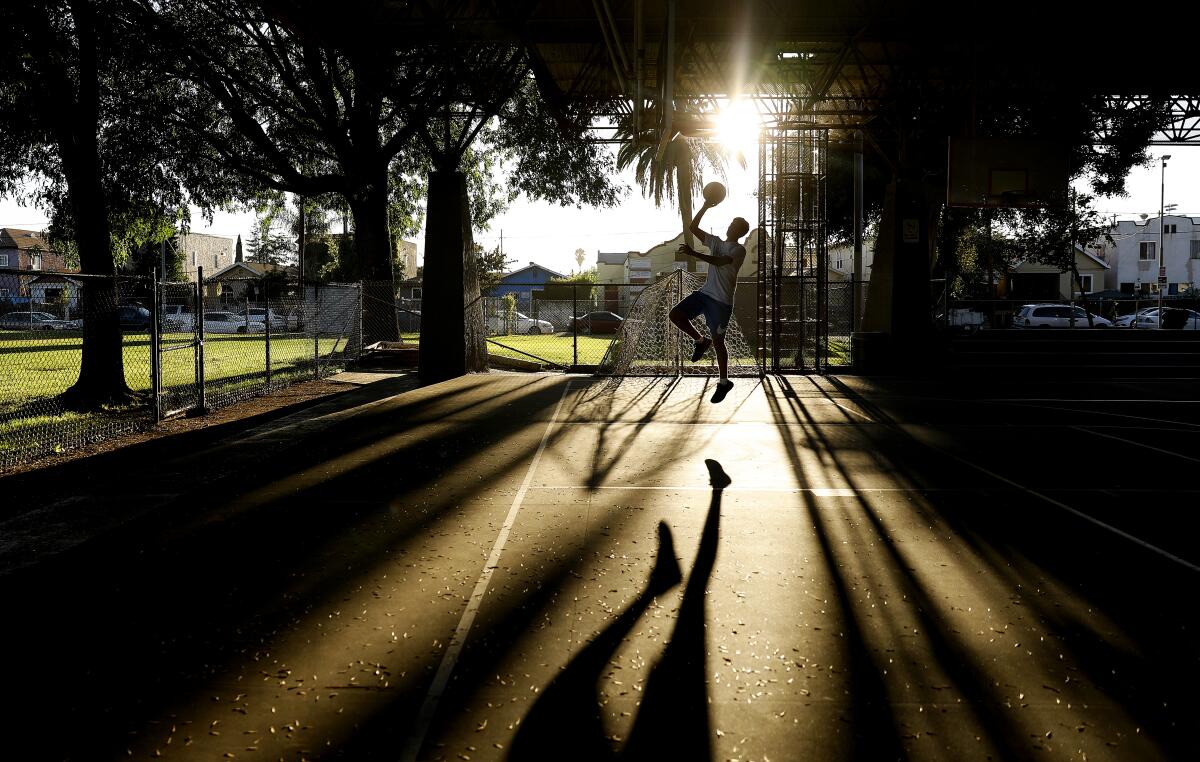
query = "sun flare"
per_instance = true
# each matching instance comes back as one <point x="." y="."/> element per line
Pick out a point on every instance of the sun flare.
<point x="738" y="125"/>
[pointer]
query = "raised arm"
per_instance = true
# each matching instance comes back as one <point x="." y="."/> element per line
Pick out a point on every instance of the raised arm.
<point x="695" y="228"/>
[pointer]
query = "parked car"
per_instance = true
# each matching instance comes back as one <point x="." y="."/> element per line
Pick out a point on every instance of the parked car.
<point x="278" y="322"/>
<point x="1188" y="320"/>
<point x="1126" y="321"/>
<point x="176" y="317"/>
<point x="230" y="322"/>
<point x="597" y="322"/>
<point x="133" y="317"/>
<point x="520" y="324"/>
<point x="36" y="321"/>
<point x="1056" y="316"/>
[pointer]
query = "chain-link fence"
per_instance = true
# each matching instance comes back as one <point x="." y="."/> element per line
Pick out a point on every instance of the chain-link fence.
<point x="70" y="343"/>
<point x="94" y="357"/>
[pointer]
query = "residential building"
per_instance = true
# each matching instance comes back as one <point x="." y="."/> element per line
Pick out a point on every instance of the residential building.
<point x="841" y="261"/>
<point x="1134" y="259"/>
<point x="242" y="281"/>
<point x="1034" y="281"/>
<point x="523" y="282"/>
<point x="196" y="250"/>
<point x="49" y="289"/>
<point x="26" y="250"/>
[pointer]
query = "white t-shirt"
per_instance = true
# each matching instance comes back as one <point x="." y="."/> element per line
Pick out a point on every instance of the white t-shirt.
<point x="722" y="279"/>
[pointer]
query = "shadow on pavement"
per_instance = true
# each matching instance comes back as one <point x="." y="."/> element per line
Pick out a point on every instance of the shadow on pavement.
<point x="673" y="718"/>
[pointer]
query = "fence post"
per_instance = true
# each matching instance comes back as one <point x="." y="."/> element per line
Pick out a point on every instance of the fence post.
<point x="201" y="407"/>
<point x="575" y="325"/>
<point x="362" y="305"/>
<point x="317" y="332"/>
<point x="155" y="357"/>
<point x="266" y="286"/>
<point x="675" y="334"/>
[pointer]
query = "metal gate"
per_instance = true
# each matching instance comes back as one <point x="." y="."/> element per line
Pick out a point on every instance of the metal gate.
<point x="793" y="272"/>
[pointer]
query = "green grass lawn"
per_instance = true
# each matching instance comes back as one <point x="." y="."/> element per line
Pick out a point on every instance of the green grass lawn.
<point x="40" y="367"/>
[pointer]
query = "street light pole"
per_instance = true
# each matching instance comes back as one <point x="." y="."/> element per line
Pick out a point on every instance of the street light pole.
<point x="1162" y="255"/>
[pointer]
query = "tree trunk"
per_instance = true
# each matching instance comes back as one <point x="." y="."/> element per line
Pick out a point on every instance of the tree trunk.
<point x="453" y="340"/>
<point x="102" y="370"/>
<point x="373" y="256"/>
<point x="683" y="179"/>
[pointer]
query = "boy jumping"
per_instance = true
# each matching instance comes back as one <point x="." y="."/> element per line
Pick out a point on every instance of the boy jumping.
<point x="715" y="298"/>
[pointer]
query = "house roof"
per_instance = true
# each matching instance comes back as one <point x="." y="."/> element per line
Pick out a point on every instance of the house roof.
<point x="532" y="266"/>
<point x="51" y="278"/>
<point x="250" y="270"/>
<point x="15" y="238"/>
<point x="1078" y="250"/>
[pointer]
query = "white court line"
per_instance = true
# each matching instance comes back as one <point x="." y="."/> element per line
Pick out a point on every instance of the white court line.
<point x="818" y="491"/>
<point x="1137" y="444"/>
<point x="852" y="491"/>
<point x="1073" y="511"/>
<point x="412" y="746"/>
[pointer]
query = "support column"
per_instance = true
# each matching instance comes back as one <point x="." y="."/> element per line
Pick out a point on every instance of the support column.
<point x="453" y="341"/>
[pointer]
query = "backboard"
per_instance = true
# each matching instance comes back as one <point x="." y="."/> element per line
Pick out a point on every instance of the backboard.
<point x="1006" y="172"/>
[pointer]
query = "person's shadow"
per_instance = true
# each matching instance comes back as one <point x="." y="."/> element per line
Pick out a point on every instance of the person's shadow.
<point x="673" y="719"/>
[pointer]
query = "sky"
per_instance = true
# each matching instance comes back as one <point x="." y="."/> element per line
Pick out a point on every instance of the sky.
<point x="549" y="235"/>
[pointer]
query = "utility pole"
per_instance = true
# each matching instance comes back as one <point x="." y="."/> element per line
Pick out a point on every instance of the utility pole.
<point x="1162" y="259"/>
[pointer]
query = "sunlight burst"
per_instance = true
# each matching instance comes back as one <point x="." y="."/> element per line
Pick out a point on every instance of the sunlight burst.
<point x="738" y="126"/>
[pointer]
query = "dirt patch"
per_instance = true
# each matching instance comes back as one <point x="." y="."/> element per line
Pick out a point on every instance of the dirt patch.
<point x="292" y="395"/>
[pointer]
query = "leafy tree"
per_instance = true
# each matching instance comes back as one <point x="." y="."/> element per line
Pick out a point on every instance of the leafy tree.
<point x="79" y="106"/>
<point x="675" y="174"/>
<point x="493" y="263"/>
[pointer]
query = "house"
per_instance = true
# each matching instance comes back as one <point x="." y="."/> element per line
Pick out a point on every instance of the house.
<point x="196" y="250"/>
<point x="636" y="269"/>
<point x="1031" y="281"/>
<point x="1134" y="260"/>
<point x="522" y="283"/>
<point x="25" y="250"/>
<point x="242" y="281"/>
<point x="49" y="289"/>
<point x="841" y="261"/>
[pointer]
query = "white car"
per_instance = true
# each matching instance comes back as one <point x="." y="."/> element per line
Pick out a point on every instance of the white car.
<point x="175" y="317"/>
<point x="230" y="322"/>
<point x="1148" y="318"/>
<point x="520" y="324"/>
<point x="1126" y="321"/>
<point x="279" y="323"/>
<point x="1056" y="316"/>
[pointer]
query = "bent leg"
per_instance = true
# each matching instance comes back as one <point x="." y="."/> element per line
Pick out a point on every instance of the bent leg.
<point x="680" y="319"/>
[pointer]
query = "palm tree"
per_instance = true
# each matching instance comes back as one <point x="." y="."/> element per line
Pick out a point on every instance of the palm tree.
<point x="677" y="173"/>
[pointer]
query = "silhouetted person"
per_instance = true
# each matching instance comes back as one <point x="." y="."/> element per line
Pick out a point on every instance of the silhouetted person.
<point x="715" y="298"/>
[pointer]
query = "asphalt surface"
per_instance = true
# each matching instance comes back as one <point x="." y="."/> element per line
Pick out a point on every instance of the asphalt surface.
<point x="539" y="567"/>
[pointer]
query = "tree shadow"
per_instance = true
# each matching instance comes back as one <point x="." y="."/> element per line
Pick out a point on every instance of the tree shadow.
<point x="673" y="718"/>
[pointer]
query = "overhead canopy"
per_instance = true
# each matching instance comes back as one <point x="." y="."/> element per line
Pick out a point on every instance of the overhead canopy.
<point x="832" y="61"/>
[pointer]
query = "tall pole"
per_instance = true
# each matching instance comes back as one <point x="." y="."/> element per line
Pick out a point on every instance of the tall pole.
<point x="1162" y="258"/>
<point x="857" y="276"/>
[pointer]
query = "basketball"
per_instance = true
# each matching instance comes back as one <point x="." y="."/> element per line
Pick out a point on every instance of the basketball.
<point x="714" y="193"/>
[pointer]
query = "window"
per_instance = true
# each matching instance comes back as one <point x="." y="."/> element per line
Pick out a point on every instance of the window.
<point x="416" y="293"/>
<point x="215" y="265"/>
<point x="1169" y="228"/>
<point x="1127" y="288"/>
<point x="1148" y="250"/>
<point x="1086" y="280"/>
<point x="1195" y="249"/>
<point x="35" y="261"/>
<point x="193" y="259"/>
<point x="4" y="257"/>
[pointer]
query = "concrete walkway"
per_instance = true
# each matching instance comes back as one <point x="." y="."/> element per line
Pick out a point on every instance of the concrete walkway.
<point x="535" y="567"/>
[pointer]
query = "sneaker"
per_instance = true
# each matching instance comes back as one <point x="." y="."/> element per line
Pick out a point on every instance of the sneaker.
<point x="666" y="573"/>
<point x="716" y="475"/>
<point x="701" y="347"/>
<point x="723" y="387"/>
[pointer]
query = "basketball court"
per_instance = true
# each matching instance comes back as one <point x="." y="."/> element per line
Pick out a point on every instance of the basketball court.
<point x="485" y="569"/>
